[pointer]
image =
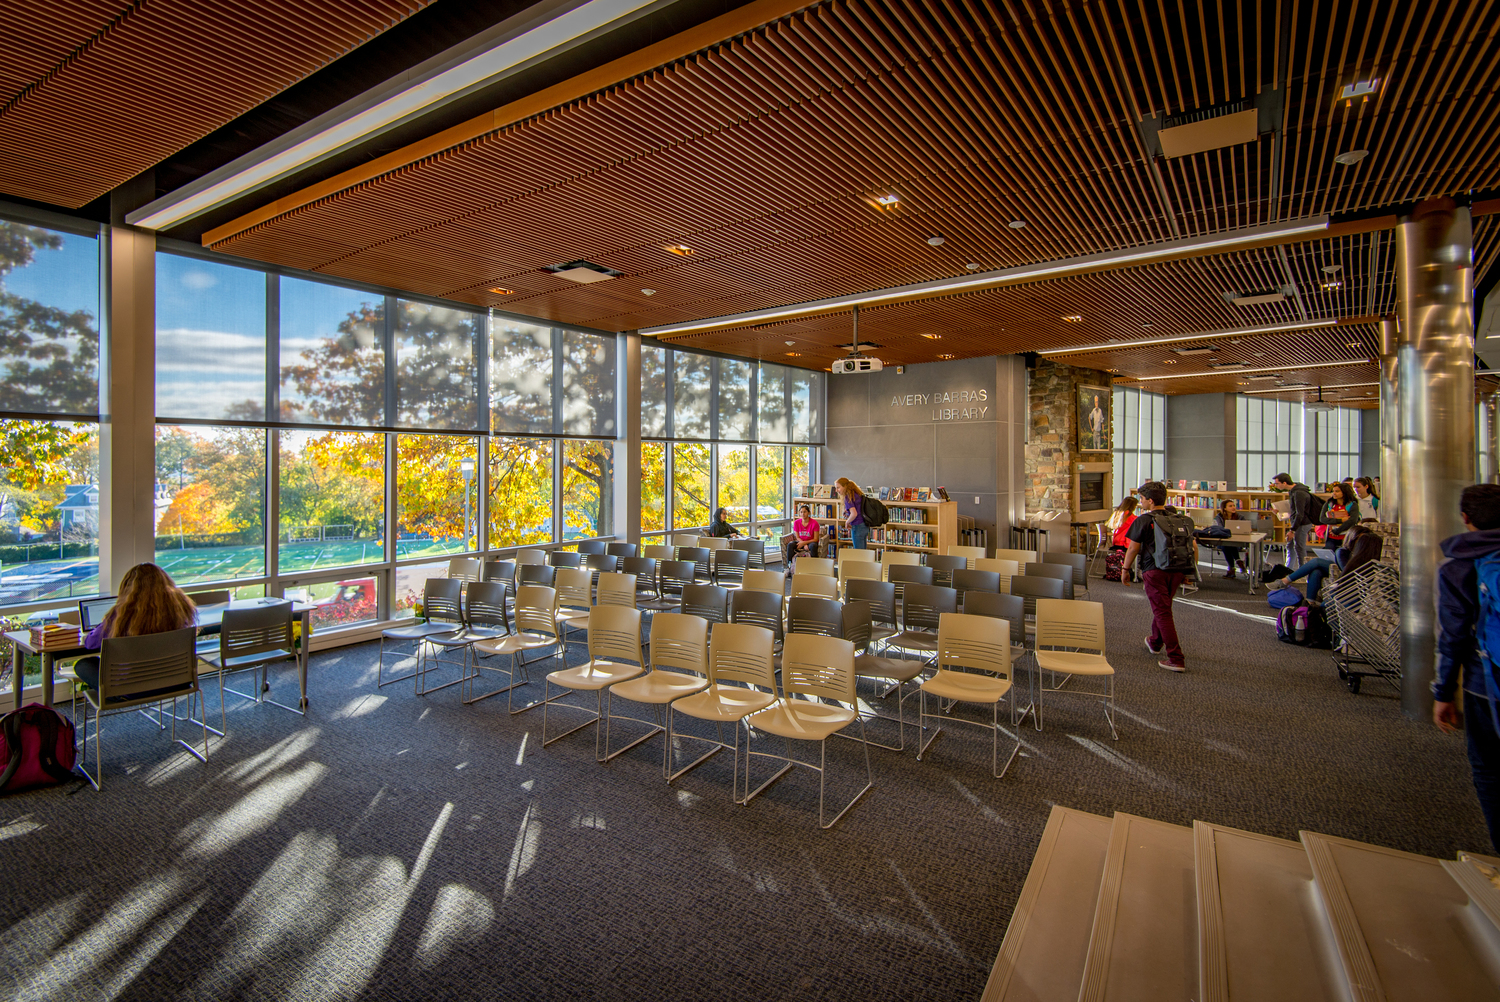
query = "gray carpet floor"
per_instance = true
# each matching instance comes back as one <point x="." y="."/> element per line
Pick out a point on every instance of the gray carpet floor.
<point x="395" y="847"/>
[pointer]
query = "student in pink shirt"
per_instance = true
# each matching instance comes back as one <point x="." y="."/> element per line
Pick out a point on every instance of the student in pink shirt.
<point x="805" y="532"/>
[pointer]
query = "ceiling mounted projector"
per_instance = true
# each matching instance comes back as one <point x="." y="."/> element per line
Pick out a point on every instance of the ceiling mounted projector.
<point x="857" y="363"/>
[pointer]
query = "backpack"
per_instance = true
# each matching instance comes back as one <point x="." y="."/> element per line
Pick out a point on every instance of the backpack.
<point x="36" y="743"/>
<point x="1176" y="547"/>
<point x="1114" y="563"/>
<point x="874" y="512"/>
<point x="1487" y="627"/>
<point x="1305" y="626"/>
<point x="1284" y="598"/>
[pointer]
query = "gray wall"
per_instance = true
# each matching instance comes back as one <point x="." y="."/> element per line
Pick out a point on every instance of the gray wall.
<point x="896" y="430"/>
<point x="1201" y="437"/>
<point x="1369" y="442"/>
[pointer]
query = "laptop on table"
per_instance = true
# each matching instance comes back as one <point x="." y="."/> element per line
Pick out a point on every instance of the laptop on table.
<point x="91" y="611"/>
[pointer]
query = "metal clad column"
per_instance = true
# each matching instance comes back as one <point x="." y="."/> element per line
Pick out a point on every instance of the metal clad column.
<point x="1484" y="438"/>
<point x="1435" y="387"/>
<point x="1390" y="427"/>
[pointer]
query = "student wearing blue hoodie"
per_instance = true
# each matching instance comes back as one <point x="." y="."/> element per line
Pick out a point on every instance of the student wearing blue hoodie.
<point x="1459" y="614"/>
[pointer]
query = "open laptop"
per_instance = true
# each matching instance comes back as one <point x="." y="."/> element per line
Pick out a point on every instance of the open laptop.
<point x="1241" y="527"/>
<point x="91" y="611"/>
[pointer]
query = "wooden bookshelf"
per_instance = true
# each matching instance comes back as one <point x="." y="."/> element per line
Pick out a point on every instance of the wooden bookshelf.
<point x="937" y="530"/>
<point x="1256" y="502"/>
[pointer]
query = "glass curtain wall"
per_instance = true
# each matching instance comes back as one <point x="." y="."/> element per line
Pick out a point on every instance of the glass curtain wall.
<point x="1268" y="441"/>
<point x="717" y="432"/>
<point x="1140" y="442"/>
<point x="1338" y="431"/>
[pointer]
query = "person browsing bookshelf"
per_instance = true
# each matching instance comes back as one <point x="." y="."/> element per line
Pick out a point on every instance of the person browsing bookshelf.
<point x="853" y="517"/>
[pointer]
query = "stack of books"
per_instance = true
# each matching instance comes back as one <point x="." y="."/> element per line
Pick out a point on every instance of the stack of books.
<point x="909" y="493"/>
<point x="56" y="637"/>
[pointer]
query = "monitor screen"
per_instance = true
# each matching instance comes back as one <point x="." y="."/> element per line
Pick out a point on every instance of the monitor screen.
<point x="1090" y="491"/>
<point x="91" y="611"/>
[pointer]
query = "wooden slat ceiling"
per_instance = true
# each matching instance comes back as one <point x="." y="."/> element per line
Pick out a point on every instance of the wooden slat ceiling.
<point x="93" y="92"/>
<point x="762" y="154"/>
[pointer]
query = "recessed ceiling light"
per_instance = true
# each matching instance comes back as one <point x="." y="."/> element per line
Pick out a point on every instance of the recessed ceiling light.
<point x="790" y="343"/>
<point x="681" y="250"/>
<point x="503" y="292"/>
<point x="935" y="241"/>
<point x="1334" y="284"/>
<point x="1258" y="354"/>
<point x="794" y="354"/>
<point x="1244" y="382"/>
<point x="1074" y="318"/>
<point x="1144" y="326"/>
<point x="1017" y="224"/>
<point x="945" y="356"/>
<point x="888" y="199"/>
<point x="932" y="337"/>
<point x="648" y="292"/>
<point x="1332" y="269"/>
<point x="1169" y="361"/>
<point x="1351" y="344"/>
<point x="1351" y="158"/>
<point x="1359" y="88"/>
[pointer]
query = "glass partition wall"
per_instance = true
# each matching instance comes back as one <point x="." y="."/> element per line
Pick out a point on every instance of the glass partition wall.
<point x="719" y="432"/>
<point x="339" y="444"/>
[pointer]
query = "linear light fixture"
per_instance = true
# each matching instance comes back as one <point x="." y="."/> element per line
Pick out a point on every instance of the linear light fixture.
<point x="1200" y="336"/>
<point x="1087" y="264"/>
<point x="1271" y="368"/>
<point x="1304" y="389"/>
<point x="371" y="114"/>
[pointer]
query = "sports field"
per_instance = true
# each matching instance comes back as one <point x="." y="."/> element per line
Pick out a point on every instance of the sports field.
<point x="40" y="580"/>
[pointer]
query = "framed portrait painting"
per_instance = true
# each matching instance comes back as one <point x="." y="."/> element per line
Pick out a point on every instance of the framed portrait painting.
<point x="1093" y="418"/>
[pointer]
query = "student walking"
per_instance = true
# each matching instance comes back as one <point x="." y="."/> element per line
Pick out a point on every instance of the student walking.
<point x="1305" y="510"/>
<point x="1469" y="614"/>
<point x="1162" y="541"/>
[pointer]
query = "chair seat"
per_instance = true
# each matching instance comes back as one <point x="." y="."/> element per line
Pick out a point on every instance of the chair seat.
<point x="915" y="640"/>
<point x="418" y="631"/>
<point x="660" y="687"/>
<point x="573" y="617"/>
<point x="724" y="703"/>
<point x="901" y="669"/>
<point x="1073" y="663"/>
<point x="468" y="635"/>
<point x="966" y="686"/>
<point x="803" y="720"/>
<point x="879" y="633"/>
<point x="514" y="643"/>
<point x="249" y="660"/>
<point x="594" y="675"/>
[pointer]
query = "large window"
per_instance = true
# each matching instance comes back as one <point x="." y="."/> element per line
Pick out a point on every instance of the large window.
<point x="693" y="398"/>
<point x="588" y="488"/>
<point x="332" y="499"/>
<point x="653" y="486"/>
<point x="520" y="496"/>
<point x="691" y="464"/>
<point x="210" y="340"/>
<point x="1140" y="437"/>
<point x="520" y="377"/>
<point x="1268" y="441"/>
<point x="437" y="495"/>
<point x="437" y="366"/>
<point x="734" y="482"/>
<point x="332" y="354"/>
<point x="49" y="510"/>
<point x="770" y="483"/>
<point x="1337" y="452"/>
<point x="210" y="502"/>
<point x="49" y="331"/>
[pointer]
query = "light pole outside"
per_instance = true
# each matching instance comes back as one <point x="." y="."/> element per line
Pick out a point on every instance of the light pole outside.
<point x="467" y="466"/>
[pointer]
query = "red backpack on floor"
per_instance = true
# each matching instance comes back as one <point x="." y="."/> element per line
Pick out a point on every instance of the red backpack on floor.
<point x="36" y="745"/>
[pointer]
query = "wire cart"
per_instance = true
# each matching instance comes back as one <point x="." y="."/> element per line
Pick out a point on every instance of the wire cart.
<point x="1364" y="612"/>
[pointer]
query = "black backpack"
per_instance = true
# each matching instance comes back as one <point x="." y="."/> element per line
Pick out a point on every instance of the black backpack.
<point x="1176" y="547"/>
<point x="874" y="512"/>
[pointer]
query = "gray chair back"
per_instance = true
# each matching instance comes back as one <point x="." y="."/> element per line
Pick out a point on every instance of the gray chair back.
<point x="755" y="549"/>
<point x="593" y="546"/>
<point x="943" y="567"/>
<point x="708" y="601"/>
<point x="700" y="556"/>
<point x="562" y="558"/>
<point x="1078" y="561"/>
<point x="923" y="604"/>
<point x="267" y="629"/>
<point x="1062" y="572"/>
<point x="730" y="565"/>
<point x="902" y="575"/>
<point x="756" y="608"/>
<point x="500" y="570"/>
<point x="131" y="667"/>
<point x="622" y="550"/>
<point x="821" y="616"/>
<point x="604" y="563"/>
<point x="1008" y="607"/>
<point x="858" y="627"/>
<point x="879" y="595"/>
<point x="641" y="567"/>
<point x="536" y="574"/>
<point x="484" y="604"/>
<point x="442" y="601"/>
<point x="674" y="575"/>
<point x="1031" y="587"/>
<point x="965" y="581"/>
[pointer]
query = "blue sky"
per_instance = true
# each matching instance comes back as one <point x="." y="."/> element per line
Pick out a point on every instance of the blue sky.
<point x="67" y="278"/>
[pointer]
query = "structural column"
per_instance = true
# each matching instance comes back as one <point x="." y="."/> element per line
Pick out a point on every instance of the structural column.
<point x="628" y="440"/>
<point x="1484" y="438"/>
<point x="1435" y="398"/>
<point x="1390" y="428"/>
<point x="127" y="431"/>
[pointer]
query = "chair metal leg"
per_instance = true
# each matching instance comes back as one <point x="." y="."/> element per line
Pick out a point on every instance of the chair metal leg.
<point x="547" y="701"/>
<point x="718" y="746"/>
<point x="823" y="776"/>
<point x="380" y="680"/>
<point x="655" y="727"/>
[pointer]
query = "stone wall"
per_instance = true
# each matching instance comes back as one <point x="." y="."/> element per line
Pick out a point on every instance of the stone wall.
<point x="1053" y="444"/>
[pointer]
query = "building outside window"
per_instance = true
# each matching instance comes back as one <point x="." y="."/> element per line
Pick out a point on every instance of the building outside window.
<point x="1338" y="431"/>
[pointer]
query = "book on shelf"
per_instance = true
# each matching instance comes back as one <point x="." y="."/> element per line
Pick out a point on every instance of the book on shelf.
<point x="942" y="494"/>
<point x="924" y="493"/>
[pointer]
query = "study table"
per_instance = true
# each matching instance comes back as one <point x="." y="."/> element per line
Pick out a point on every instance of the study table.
<point x="208" y="616"/>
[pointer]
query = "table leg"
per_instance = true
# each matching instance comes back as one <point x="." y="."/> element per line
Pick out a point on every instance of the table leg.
<point x="17" y="672"/>
<point x="303" y="655"/>
<point x="47" y="666"/>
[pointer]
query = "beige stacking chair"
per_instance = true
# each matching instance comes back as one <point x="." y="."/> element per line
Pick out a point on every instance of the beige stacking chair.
<point x="741" y="681"/>
<point x="465" y="568"/>
<point x="772" y="581"/>
<point x="535" y="630"/>
<point x="850" y="555"/>
<point x="685" y="539"/>
<point x="898" y="558"/>
<point x="660" y="553"/>
<point x="1019" y="556"/>
<point x="969" y="553"/>
<point x="973" y="666"/>
<point x="530" y="557"/>
<point x="817" y="585"/>
<point x="614" y="642"/>
<point x="866" y="570"/>
<point x="1007" y="569"/>
<point x="679" y="667"/>
<point x="813" y="565"/>
<point x="1070" y="641"/>
<point x="575" y="597"/>
<point x="813" y="669"/>
<point x="713" y="542"/>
